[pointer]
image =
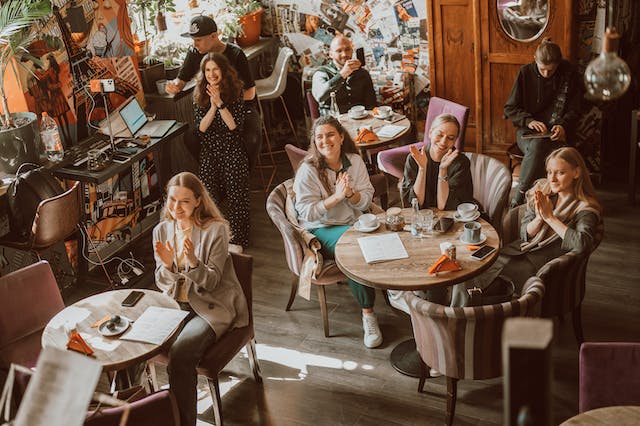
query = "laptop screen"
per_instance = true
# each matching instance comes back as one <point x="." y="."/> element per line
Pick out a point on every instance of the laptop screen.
<point x="133" y="116"/>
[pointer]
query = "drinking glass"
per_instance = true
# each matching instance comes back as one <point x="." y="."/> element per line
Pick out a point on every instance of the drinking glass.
<point x="426" y="217"/>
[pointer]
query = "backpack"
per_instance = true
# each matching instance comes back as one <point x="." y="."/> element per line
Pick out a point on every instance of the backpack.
<point x="25" y="194"/>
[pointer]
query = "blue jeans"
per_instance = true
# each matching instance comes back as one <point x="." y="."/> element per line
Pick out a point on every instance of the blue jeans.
<point x="328" y="237"/>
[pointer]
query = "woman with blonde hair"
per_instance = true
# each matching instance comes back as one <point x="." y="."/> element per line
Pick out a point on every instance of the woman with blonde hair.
<point x="563" y="215"/>
<point x="193" y="266"/>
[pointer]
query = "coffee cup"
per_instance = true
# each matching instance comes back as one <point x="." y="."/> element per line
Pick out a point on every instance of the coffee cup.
<point x="96" y="159"/>
<point x="356" y="110"/>
<point x="472" y="232"/>
<point x="384" y="111"/>
<point x="368" y="220"/>
<point x="161" y="85"/>
<point x="467" y="210"/>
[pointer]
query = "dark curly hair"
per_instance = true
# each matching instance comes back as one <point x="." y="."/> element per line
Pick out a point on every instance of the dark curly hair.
<point x="316" y="159"/>
<point x="230" y="85"/>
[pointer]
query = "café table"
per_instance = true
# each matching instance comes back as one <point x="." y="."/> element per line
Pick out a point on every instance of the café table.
<point x="411" y="273"/>
<point x="113" y="353"/>
<point x="352" y="126"/>
<point x="624" y="415"/>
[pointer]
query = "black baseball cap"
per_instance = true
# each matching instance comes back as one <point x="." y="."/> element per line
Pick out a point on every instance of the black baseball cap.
<point x="200" y="26"/>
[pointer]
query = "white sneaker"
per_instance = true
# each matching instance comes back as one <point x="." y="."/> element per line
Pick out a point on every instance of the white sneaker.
<point x="372" y="333"/>
<point x="434" y="373"/>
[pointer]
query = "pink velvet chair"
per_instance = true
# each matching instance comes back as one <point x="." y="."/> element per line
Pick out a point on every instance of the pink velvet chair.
<point x="157" y="409"/>
<point x="392" y="160"/>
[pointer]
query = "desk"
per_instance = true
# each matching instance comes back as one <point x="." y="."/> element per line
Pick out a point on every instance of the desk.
<point x="620" y="416"/>
<point x="411" y="273"/>
<point x="365" y="148"/>
<point x="112" y="352"/>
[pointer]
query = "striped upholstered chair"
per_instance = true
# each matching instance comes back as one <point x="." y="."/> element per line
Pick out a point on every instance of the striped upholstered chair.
<point x="464" y="343"/>
<point x="491" y="185"/>
<point x="294" y="247"/>
<point x="564" y="276"/>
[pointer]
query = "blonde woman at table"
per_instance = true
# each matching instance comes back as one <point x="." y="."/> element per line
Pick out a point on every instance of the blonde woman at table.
<point x="562" y="216"/>
<point x="332" y="189"/>
<point x="438" y="176"/>
<point x="193" y="265"/>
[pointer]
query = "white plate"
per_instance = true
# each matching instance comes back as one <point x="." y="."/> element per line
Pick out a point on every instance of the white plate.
<point x="380" y="117"/>
<point x="359" y="228"/>
<point x="483" y="238"/>
<point x="457" y="217"/>
<point x="358" y="117"/>
<point x="105" y="331"/>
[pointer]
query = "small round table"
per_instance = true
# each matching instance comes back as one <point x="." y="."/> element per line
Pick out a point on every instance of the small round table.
<point x="411" y="273"/>
<point x="112" y="352"/>
<point x="624" y="415"/>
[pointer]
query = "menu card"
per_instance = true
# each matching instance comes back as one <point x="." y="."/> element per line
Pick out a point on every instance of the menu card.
<point x="390" y="130"/>
<point x="381" y="248"/>
<point x="155" y="325"/>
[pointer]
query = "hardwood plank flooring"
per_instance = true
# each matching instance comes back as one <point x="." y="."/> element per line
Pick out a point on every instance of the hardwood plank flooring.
<point x="313" y="380"/>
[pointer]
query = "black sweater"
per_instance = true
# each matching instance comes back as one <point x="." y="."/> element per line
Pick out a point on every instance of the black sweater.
<point x="533" y="96"/>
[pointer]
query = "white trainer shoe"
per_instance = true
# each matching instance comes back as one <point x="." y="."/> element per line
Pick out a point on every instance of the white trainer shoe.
<point x="372" y="333"/>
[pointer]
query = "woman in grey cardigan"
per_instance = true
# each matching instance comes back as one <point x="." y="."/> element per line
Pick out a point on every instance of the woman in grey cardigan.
<point x="193" y="265"/>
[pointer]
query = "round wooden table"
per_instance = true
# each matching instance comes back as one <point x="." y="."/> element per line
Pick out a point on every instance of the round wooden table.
<point x="351" y="126"/>
<point x="626" y="415"/>
<point x="112" y="352"/>
<point x="411" y="273"/>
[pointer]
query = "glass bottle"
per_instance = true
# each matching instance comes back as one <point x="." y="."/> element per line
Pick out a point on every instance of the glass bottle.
<point x="416" y="221"/>
<point x="50" y="137"/>
<point x="334" y="110"/>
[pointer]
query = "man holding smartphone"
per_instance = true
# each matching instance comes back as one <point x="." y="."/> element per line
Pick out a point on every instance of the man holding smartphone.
<point x="345" y="76"/>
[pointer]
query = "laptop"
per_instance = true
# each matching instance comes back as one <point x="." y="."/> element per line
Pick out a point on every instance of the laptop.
<point x="138" y="124"/>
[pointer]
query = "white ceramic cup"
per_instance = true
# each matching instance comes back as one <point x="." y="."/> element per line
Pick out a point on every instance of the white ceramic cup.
<point x="384" y="111"/>
<point x="161" y="85"/>
<point x="472" y="232"/>
<point x="368" y="220"/>
<point x="356" y="110"/>
<point x="467" y="210"/>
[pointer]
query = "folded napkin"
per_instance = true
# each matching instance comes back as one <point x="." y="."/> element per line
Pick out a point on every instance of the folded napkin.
<point x="366" y="135"/>
<point x="77" y="343"/>
<point x="443" y="264"/>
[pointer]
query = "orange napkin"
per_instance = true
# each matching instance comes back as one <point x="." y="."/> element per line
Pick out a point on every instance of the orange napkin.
<point x="366" y="135"/>
<point x="444" y="264"/>
<point x="77" y="343"/>
<point x="375" y="110"/>
<point x="473" y="247"/>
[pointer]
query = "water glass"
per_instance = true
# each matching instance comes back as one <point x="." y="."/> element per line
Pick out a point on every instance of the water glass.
<point x="427" y="220"/>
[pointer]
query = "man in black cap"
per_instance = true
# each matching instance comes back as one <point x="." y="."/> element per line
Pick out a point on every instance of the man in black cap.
<point x="204" y="32"/>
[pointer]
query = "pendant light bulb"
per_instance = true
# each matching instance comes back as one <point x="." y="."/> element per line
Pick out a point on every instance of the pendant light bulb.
<point x="608" y="77"/>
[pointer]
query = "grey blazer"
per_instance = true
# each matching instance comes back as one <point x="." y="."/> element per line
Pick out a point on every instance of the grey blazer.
<point x="213" y="289"/>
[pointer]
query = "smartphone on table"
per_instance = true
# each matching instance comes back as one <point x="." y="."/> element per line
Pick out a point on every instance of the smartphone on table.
<point x="482" y="252"/>
<point x="132" y="298"/>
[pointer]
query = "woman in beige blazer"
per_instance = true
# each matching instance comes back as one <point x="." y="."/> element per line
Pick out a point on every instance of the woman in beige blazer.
<point x="194" y="267"/>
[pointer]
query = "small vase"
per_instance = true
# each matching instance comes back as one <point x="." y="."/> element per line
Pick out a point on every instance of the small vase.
<point x="252" y="26"/>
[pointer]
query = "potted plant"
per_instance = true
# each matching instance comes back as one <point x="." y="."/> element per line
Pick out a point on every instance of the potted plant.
<point x="242" y="21"/>
<point x="19" y="131"/>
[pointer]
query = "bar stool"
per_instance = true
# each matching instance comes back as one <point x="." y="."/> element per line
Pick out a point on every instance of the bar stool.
<point x="271" y="88"/>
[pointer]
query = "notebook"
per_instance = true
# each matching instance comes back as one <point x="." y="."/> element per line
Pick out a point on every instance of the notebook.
<point x="138" y="124"/>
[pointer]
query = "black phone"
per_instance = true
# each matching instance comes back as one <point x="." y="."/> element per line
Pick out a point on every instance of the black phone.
<point x="360" y="55"/>
<point x="443" y="224"/>
<point x="132" y="298"/>
<point x="482" y="252"/>
<point x="120" y="158"/>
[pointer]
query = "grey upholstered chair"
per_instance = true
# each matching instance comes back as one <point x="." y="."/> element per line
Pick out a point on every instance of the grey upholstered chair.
<point x="464" y="343"/>
<point x="491" y="185"/>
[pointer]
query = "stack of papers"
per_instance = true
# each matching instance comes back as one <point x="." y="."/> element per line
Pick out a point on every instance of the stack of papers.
<point x="381" y="248"/>
<point x="155" y="325"/>
<point x="390" y="131"/>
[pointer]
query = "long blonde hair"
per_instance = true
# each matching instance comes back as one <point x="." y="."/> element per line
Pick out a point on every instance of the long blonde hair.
<point x="206" y="211"/>
<point x="583" y="189"/>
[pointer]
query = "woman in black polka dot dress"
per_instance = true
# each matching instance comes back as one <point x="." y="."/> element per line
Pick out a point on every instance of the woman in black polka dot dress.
<point x="219" y="117"/>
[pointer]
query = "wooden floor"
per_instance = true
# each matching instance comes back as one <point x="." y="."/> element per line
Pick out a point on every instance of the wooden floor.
<point x="313" y="380"/>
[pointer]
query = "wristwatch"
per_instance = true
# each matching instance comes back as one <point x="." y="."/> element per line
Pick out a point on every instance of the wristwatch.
<point x="223" y="106"/>
<point x="443" y="178"/>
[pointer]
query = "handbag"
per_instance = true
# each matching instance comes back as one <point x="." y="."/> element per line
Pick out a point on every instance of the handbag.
<point x="500" y="290"/>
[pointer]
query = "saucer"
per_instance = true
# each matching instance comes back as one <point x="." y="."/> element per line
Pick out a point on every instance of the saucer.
<point x="119" y="329"/>
<point x="383" y="117"/>
<point x="359" y="228"/>
<point x="457" y="217"/>
<point x="358" y="117"/>
<point x="483" y="238"/>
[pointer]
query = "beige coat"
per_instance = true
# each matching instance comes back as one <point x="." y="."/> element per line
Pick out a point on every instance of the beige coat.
<point x="213" y="289"/>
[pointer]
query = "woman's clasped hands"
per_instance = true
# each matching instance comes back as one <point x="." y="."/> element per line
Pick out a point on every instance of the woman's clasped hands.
<point x="343" y="186"/>
<point x="166" y="253"/>
<point x="214" y="95"/>
<point x="543" y="205"/>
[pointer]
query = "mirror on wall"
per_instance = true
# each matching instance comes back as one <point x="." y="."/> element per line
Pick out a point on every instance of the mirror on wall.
<point x="523" y="20"/>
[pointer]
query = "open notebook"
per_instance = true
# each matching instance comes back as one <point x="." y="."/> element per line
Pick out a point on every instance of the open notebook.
<point x="381" y="248"/>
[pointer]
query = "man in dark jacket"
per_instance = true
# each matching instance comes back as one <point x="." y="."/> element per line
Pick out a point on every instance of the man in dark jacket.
<point x="345" y="76"/>
<point x="544" y="105"/>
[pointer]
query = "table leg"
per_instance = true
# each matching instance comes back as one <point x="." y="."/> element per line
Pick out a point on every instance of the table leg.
<point x="405" y="358"/>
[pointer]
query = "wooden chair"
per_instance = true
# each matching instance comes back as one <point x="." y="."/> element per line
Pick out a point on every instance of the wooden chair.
<point x="465" y="343"/>
<point x="564" y="276"/>
<point x="294" y="250"/>
<point x="378" y="180"/>
<point x="230" y="344"/>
